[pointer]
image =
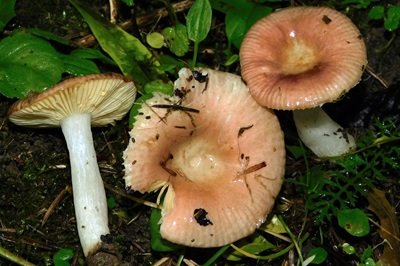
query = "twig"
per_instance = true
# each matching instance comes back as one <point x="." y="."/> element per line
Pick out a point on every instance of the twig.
<point x="381" y="80"/>
<point x="113" y="11"/>
<point x="8" y="230"/>
<point x="384" y="229"/>
<point x="55" y="202"/>
<point x="138" y="200"/>
<point x="30" y="242"/>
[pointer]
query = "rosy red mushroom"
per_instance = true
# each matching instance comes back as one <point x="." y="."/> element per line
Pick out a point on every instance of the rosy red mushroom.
<point x="218" y="156"/>
<point x="75" y="105"/>
<point x="300" y="58"/>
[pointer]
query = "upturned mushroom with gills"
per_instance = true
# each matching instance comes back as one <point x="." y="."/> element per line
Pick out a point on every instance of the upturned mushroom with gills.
<point x="300" y="58"/>
<point x="75" y="105"/>
<point x="216" y="156"/>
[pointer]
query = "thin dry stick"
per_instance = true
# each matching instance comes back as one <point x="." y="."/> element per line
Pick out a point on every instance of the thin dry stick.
<point x="384" y="229"/>
<point x="113" y="11"/>
<point x="89" y="40"/>
<point x="138" y="200"/>
<point x="381" y="80"/>
<point x="8" y="230"/>
<point x="55" y="202"/>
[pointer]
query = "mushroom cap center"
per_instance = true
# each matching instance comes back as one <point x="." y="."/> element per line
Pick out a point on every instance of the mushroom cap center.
<point x="298" y="56"/>
<point x="197" y="160"/>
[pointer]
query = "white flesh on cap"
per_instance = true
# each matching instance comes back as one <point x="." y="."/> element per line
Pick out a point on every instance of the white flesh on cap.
<point x="321" y="134"/>
<point x="88" y="190"/>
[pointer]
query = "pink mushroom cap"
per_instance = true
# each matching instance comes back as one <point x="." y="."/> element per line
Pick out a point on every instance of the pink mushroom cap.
<point x="218" y="153"/>
<point x="302" y="57"/>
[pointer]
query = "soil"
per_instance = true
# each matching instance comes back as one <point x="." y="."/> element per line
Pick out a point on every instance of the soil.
<point x="34" y="163"/>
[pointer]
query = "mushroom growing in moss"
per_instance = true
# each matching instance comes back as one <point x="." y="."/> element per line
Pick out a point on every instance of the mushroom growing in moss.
<point x="75" y="105"/>
<point x="300" y="58"/>
<point x="217" y="154"/>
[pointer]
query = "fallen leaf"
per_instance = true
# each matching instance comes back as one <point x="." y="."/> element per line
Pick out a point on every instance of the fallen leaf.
<point x="389" y="227"/>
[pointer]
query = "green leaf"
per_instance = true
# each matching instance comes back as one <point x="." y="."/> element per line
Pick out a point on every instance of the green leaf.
<point x="368" y="253"/>
<point x="159" y="86"/>
<point x="6" y="12"/>
<point x="111" y="202"/>
<point x="136" y="107"/>
<point x="232" y="59"/>
<point x="236" y="27"/>
<point x="61" y="257"/>
<point x="376" y="12"/>
<point x="27" y="64"/>
<point x="319" y="254"/>
<point x="359" y="3"/>
<point x="392" y="19"/>
<point x="354" y="221"/>
<point x="198" y="20"/>
<point x="91" y="53"/>
<point x="129" y="2"/>
<point x="155" y="40"/>
<point x="275" y="225"/>
<point x="348" y="249"/>
<point x="157" y="242"/>
<point x="170" y="64"/>
<point x="77" y="66"/>
<point x="149" y="89"/>
<point x="48" y="35"/>
<point x="240" y="16"/>
<point x="258" y="245"/>
<point x="132" y="57"/>
<point x="177" y="39"/>
<point x="296" y="151"/>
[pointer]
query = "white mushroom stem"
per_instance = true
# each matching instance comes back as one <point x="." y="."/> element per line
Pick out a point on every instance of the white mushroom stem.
<point x="321" y="134"/>
<point x="88" y="189"/>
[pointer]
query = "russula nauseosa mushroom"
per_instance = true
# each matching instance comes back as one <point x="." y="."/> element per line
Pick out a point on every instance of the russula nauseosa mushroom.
<point x="218" y="156"/>
<point x="300" y="58"/>
<point x="75" y="105"/>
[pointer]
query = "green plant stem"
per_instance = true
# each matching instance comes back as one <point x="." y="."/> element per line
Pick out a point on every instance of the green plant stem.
<point x="14" y="258"/>
<point x="180" y="260"/>
<point x="171" y="11"/>
<point x="195" y="51"/>
<point x="135" y="199"/>
<point x="216" y="255"/>
<point x="294" y="240"/>
<point x="271" y="256"/>
<point x="387" y="45"/>
<point x="376" y="143"/>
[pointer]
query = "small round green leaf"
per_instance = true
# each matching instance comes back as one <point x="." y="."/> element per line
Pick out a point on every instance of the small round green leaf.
<point x="392" y="19"/>
<point x="348" y="249"/>
<point x="61" y="257"/>
<point x="376" y="12"/>
<point x="319" y="254"/>
<point x="177" y="39"/>
<point x="155" y="40"/>
<point x="111" y="203"/>
<point x="354" y="221"/>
